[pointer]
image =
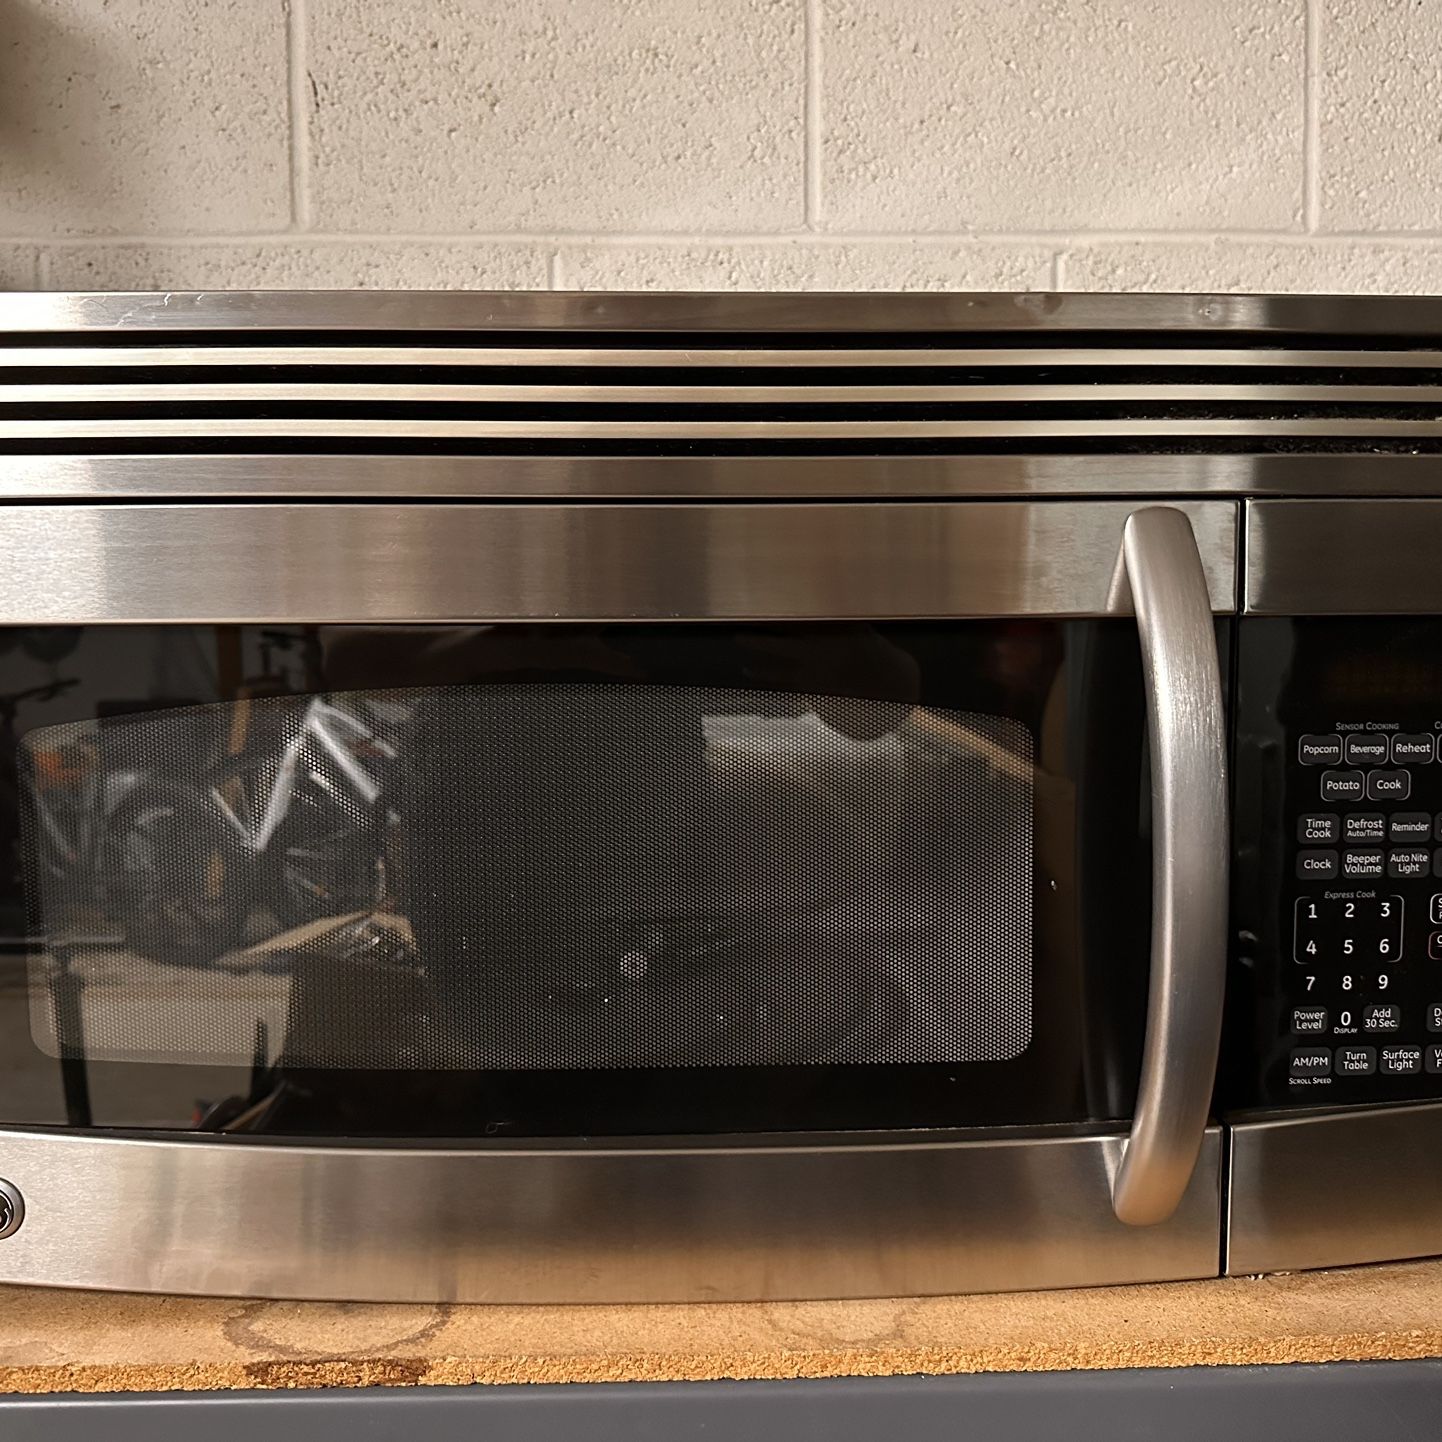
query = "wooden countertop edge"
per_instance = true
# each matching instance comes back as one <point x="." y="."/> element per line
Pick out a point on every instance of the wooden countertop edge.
<point x="781" y="1364"/>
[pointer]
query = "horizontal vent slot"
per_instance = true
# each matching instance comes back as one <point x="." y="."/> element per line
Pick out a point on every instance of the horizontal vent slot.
<point x="852" y="394"/>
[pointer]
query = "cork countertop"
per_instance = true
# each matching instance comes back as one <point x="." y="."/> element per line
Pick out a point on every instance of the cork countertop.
<point x="53" y="1341"/>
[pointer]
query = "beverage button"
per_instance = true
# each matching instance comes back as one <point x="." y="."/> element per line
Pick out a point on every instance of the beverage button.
<point x="1314" y="1061"/>
<point x="1389" y="785"/>
<point x="1307" y="1019"/>
<point x="1360" y="864"/>
<point x="1413" y="827"/>
<point x="1367" y="749"/>
<point x="1322" y="828"/>
<point x="1320" y="750"/>
<point x="1342" y="786"/>
<point x="1405" y="864"/>
<point x="1317" y="865"/>
<point x="1382" y="1016"/>
<point x="1400" y="1060"/>
<point x="1412" y="750"/>
<point x="1434" y="1016"/>
<point x="1364" y="828"/>
<point x="1355" y="1060"/>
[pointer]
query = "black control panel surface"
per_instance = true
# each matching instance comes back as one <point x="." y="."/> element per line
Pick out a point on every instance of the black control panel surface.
<point x="1336" y="988"/>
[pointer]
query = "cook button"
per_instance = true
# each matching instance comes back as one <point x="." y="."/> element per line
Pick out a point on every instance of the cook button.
<point x="1317" y="865"/>
<point x="1321" y="828"/>
<point x="1383" y="1016"/>
<point x="1408" y="750"/>
<point x="1319" y="750"/>
<point x="1314" y="1061"/>
<point x="1413" y="826"/>
<point x="1389" y="785"/>
<point x="1342" y="786"/>
<point x="1355" y="1060"/>
<point x="1366" y="750"/>
<point x="1401" y="1060"/>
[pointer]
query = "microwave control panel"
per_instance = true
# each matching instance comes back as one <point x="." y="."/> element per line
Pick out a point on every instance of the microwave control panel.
<point x="1338" y="868"/>
<point x="1365" y="982"/>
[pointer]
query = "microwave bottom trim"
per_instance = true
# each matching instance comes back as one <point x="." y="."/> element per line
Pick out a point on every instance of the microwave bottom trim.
<point x="657" y="1223"/>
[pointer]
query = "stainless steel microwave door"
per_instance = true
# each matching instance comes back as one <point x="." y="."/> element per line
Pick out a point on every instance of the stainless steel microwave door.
<point x="534" y="876"/>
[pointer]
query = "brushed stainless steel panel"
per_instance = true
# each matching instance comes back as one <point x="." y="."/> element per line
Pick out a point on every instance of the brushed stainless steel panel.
<point x="656" y="1222"/>
<point x="1344" y="557"/>
<point x="1334" y="1189"/>
<point x="399" y="354"/>
<point x="177" y="477"/>
<point x="1162" y="574"/>
<point x="1387" y="317"/>
<point x="371" y="428"/>
<point x="282" y="387"/>
<point x="424" y="562"/>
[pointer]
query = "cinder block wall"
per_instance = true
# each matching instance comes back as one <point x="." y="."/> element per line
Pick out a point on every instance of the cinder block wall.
<point x="719" y="144"/>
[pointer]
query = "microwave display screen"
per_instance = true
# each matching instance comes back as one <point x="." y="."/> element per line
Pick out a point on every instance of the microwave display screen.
<point x="532" y="875"/>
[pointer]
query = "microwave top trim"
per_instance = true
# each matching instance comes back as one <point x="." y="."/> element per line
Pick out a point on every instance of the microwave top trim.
<point x="1351" y="316"/>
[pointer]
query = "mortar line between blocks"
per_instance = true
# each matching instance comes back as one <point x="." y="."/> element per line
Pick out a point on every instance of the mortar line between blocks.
<point x="811" y="162"/>
<point x="1311" y="119"/>
<point x="299" y="106"/>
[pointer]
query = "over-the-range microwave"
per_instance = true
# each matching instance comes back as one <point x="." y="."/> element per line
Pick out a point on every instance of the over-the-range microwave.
<point x="576" y="797"/>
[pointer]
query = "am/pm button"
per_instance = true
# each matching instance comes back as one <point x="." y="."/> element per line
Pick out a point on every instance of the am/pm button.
<point x="1313" y="1061"/>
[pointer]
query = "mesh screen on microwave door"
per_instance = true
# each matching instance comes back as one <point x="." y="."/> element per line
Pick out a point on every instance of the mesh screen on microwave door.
<point x="533" y="876"/>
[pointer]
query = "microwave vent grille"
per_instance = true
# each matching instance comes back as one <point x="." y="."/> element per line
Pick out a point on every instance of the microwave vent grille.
<point x="630" y="393"/>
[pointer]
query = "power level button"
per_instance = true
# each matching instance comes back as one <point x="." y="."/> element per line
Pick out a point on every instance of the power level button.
<point x="12" y="1208"/>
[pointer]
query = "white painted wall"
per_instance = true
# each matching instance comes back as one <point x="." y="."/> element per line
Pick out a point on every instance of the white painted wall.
<point x="722" y="144"/>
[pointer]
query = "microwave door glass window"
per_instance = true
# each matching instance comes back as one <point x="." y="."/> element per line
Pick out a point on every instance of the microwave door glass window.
<point x="531" y="876"/>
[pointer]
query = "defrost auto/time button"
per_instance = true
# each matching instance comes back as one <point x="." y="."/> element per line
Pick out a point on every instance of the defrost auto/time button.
<point x="1364" y="828"/>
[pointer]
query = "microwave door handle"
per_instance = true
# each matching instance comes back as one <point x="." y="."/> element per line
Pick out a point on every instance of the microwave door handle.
<point x="1160" y="578"/>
